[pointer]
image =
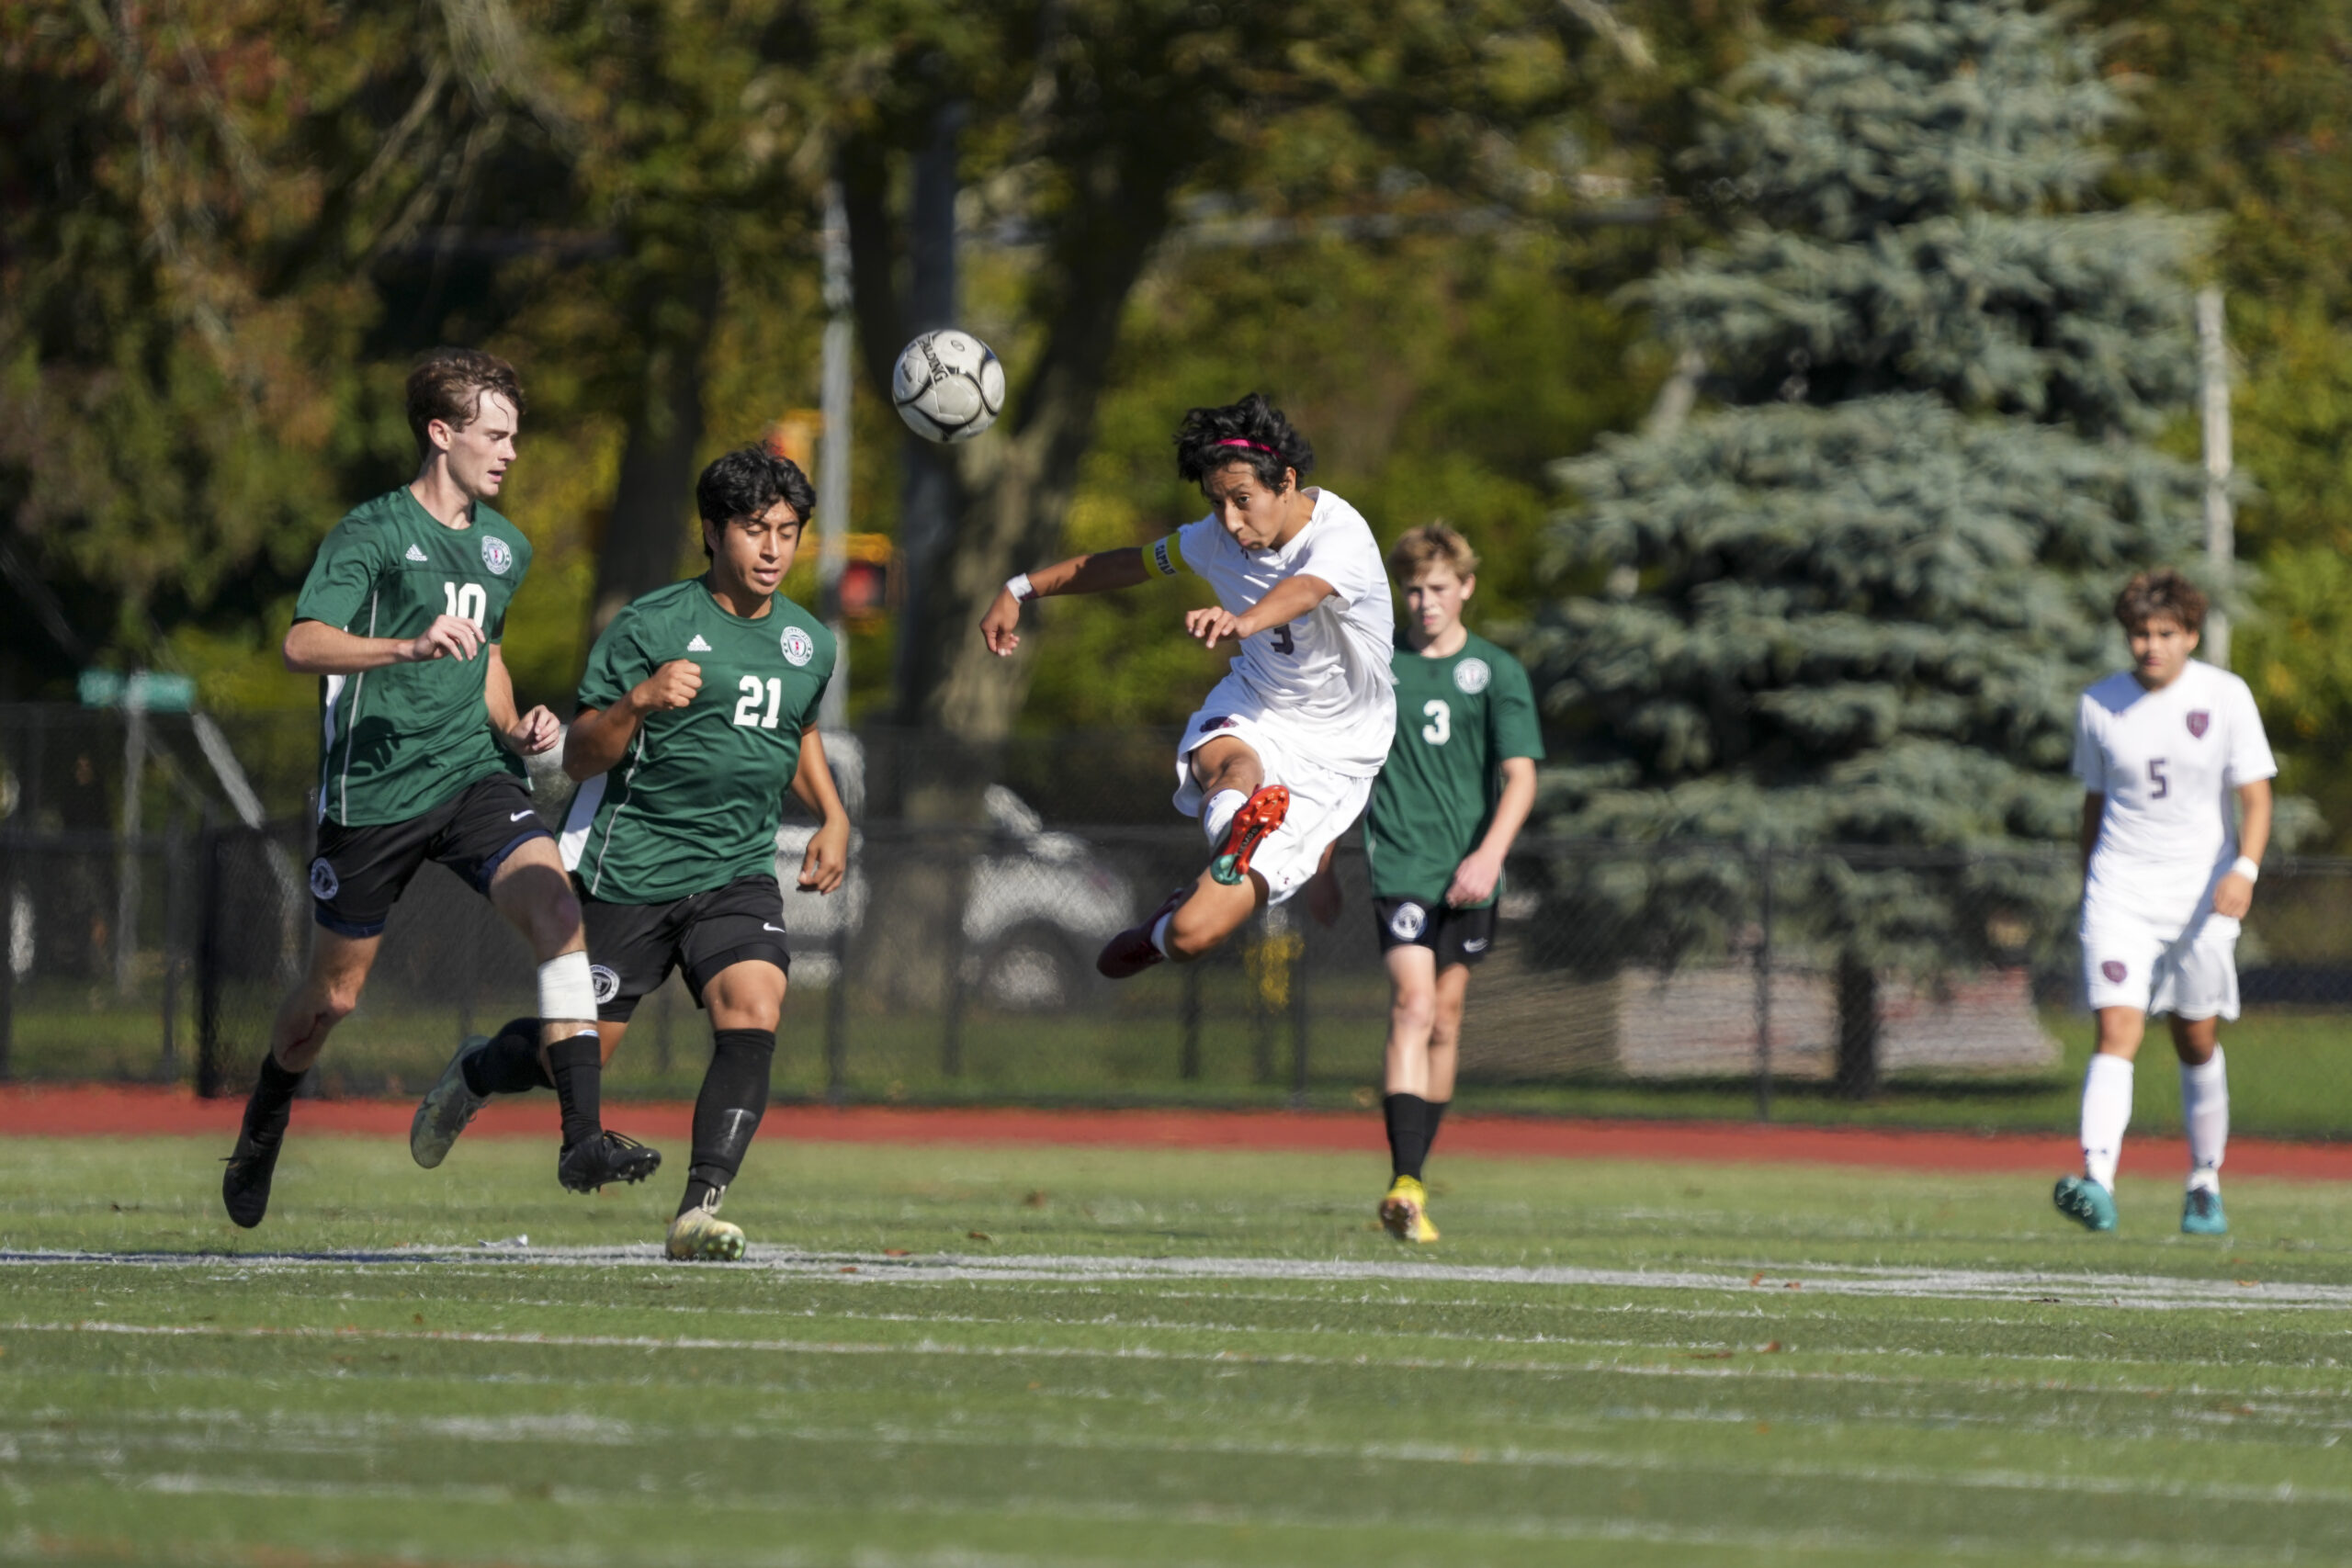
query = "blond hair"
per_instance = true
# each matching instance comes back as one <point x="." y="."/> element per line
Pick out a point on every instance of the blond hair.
<point x="1428" y="545"/>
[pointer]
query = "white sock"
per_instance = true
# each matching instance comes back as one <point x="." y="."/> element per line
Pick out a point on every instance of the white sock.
<point x="2107" y="1111"/>
<point x="1217" y="813"/>
<point x="2205" y="1109"/>
<point x="1159" y="932"/>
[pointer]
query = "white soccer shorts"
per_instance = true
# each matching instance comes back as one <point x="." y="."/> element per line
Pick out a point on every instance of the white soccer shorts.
<point x="2160" y="967"/>
<point x="1322" y="802"/>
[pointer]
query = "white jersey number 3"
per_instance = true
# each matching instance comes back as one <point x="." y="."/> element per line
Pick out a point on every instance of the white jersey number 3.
<point x="1440" y="729"/>
<point x="747" y="710"/>
<point x="465" y="601"/>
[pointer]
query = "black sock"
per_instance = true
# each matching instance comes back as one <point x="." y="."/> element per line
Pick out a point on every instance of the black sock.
<point x="727" y="1112"/>
<point x="1408" y="1133"/>
<point x="578" y="1067"/>
<point x="1430" y="1118"/>
<point x="272" y="1104"/>
<point x="510" y="1063"/>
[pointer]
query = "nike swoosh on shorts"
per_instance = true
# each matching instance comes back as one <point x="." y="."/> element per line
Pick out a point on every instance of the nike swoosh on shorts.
<point x="765" y="927"/>
<point x="518" y="815"/>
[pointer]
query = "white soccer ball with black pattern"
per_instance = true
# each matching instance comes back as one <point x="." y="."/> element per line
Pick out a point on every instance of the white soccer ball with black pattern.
<point x="948" y="385"/>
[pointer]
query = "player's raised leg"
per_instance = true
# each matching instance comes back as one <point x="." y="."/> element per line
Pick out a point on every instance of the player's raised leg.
<point x="533" y="892"/>
<point x="327" y="994"/>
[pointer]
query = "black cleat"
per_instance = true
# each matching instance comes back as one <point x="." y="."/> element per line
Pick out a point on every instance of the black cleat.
<point x="244" y="1186"/>
<point x="585" y="1166"/>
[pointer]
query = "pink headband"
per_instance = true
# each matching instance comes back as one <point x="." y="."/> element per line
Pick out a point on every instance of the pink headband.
<point x="1253" y="445"/>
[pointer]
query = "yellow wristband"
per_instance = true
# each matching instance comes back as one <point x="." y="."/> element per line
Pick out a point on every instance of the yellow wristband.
<point x="1162" y="556"/>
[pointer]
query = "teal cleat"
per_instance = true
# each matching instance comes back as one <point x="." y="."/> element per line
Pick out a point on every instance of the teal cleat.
<point x="2200" y="1213"/>
<point x="2086" y="1201"/>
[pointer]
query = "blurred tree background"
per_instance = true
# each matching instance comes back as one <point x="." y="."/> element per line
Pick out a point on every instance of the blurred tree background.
<point x="227" y="227"/>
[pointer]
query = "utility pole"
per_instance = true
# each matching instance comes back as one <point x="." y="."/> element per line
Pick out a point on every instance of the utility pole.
<point x="832" y="467"/>
<point x="2221" y="524"/>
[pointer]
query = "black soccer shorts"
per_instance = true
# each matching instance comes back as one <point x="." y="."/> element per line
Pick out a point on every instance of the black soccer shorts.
<point x="359" y="874"/>
<point x="1457" y="936"/>
<point x="633" y="947"/>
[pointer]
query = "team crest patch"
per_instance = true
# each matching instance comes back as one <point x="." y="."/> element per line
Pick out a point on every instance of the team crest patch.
<point x="797" y="647"/>
<point x="2114" y="971"/>
<point x="1408" y="921"/>
<point x="1209" y="724"/>
<point x="607" y="984"/>
<point x="324" y="883"/>
<point x="1470" y="676"/>
<point x="2200" y="721"/>
<point x="496" y="556"/>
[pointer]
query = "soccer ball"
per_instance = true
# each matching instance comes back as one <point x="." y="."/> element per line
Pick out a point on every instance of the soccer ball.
<point x="948" y="385"/>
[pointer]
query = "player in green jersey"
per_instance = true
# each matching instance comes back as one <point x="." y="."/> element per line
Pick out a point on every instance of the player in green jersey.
<point x="1457" y="787"/>
<point x="697" y="712"/>
<point x="401" y="616"/>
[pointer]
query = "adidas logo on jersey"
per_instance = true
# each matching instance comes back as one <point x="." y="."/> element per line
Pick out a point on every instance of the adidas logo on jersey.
<point x="697" y="645"/>
<point x="415" y="554"/>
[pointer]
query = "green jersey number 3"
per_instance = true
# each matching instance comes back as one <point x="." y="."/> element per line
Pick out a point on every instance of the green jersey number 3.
<point x="747" y="710"/>
<point x="1440" y="729"/>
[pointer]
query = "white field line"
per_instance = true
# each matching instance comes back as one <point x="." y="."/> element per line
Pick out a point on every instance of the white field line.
<point x="2157" y="1291"/>
<point x="1552" y="1528"/>
<point x="327" y="1435"/>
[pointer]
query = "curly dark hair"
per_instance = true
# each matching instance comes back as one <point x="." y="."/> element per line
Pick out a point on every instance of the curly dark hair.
<point x="746" y="482"/>
<point x="447" y="385"/>
<point x="1252" y="431"/>
<point x="2162" y="591"/>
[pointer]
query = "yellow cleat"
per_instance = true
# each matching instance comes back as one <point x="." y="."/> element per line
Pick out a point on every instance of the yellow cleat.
<point x="1405" y="1212"/>
<point x="699" y="1236"/>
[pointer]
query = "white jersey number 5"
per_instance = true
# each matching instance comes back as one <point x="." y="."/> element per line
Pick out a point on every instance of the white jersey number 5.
<point x="1440" y="729"/>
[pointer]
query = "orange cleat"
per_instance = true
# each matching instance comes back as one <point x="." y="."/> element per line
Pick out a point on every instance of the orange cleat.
<point x="1259" y="815"/>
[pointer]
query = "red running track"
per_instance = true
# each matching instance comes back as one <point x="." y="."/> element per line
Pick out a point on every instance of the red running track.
<point x="91" y="1111"/>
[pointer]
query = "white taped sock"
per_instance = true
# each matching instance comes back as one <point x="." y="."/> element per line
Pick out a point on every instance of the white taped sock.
<point x="2205" y="1109"/>
<point x="1159" y="932"/>
<point x="2107" y="1111"/>
<point x="1217" y="813"/>
<point x="567" y="991"/>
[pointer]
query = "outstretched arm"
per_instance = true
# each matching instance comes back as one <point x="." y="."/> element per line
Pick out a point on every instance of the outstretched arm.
<point x="1097" y="573"/>
<point x="1284" y="603"/>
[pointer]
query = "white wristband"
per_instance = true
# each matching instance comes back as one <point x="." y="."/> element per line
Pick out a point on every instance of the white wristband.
<point x="1020" y="588"/>
<point x="2248" y="867"/>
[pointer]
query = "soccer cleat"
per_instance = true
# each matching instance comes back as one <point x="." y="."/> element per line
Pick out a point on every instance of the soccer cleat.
<point x="2086" y="1201"/>
<point x="1130" y="951"/>
<point x="2200" y="1213"/>
<point x="699" y="1236"/>
<point x="591" y="1163"/>
<point x="1259" y="815"/>
<point x="445" y="1109"/>
<point x="1405" y="1210"/>
<point x="245" y="1185"/>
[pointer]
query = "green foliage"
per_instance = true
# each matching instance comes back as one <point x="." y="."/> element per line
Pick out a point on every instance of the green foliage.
<point x="2242" y="114"/>
<point x="1871" y="585"/>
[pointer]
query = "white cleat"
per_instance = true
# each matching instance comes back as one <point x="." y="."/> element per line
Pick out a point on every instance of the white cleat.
<point x="445" y="1109"/>
<point x="700" y="1236"/>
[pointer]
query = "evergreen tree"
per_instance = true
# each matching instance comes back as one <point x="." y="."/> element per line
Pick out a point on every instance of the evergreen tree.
<point x="1851" y="601"/>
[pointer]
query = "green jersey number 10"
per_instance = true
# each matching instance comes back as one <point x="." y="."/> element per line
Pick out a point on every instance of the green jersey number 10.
<point x="465" y="601"/>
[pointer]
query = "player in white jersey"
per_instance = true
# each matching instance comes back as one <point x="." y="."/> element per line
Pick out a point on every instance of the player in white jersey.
<point x="2161" y="749"/>
<point x="1281" y="757"/>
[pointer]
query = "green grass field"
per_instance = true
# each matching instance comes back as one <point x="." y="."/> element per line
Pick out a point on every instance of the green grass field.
<point x="1159" y="1357"/>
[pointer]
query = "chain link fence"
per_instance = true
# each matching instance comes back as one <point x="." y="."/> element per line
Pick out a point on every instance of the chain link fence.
<point x="956" y="964"/>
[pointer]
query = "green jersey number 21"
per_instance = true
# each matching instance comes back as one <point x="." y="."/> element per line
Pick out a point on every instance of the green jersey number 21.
<point x="747" y="710"/>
